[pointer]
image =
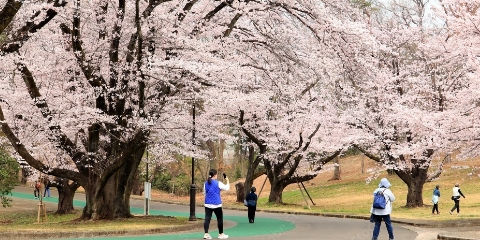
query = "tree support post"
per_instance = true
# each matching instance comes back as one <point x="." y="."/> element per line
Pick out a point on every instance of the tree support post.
<point x="42" y="209"/>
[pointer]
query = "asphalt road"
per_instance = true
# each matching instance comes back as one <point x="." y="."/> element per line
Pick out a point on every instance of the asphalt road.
<point x="267" y="226"/>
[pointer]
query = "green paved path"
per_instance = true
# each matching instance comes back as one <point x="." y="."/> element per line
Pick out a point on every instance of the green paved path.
<point x="242" y="228"/>
<point x="267" y="226"/>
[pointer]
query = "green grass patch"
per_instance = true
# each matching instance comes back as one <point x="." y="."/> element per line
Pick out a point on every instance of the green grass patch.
<point x="355" y="197"/>
<point x="27" y="221"/>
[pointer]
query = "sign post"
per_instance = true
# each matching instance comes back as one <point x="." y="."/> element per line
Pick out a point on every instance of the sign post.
<point x="148" y="190"/>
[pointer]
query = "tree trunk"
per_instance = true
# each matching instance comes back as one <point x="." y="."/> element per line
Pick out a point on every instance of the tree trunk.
<point x="336" y="172"/>
<point x="252" y="166"/>
<point x="250" y="171"/>
<point x="137" y="185"/>
<point x="363" y="163"/>
<point x="415" y="178"/>
<point x="415" y="190"/>
<point x="22" y="176"/>
<point x="66" y="192"/>
<point x="114" y="199"/>
<point x="239" y="189"/>
<point x="276" y="191"/>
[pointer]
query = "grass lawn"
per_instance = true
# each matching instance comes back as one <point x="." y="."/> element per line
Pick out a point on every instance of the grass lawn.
<point x="26" y="221"/>
<point x="353" y="195"/>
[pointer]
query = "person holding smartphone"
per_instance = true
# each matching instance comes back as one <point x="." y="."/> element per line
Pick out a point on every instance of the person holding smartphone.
<point x="213" y="202"/>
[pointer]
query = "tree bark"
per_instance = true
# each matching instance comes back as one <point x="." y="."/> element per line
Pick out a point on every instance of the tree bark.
<point x="66" y="193"/>
<point x="276" y="191"/>
<point x="252" y="166"/>
<point x="137" y="185"/>
<point x="239" y="189"/>
<point x="415" y="178"/>
<point x="336" y="172"/>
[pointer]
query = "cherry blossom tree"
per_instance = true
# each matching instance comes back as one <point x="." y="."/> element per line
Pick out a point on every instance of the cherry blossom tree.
<point x="87" y="85"/>
<point x="401" y="110"/>
<point x="96" y="84"/>
<point x="287" y="110"/>
<point x="458" y="46"/>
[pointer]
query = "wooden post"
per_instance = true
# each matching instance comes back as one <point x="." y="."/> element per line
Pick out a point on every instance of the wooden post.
<point x="42" y="210"/>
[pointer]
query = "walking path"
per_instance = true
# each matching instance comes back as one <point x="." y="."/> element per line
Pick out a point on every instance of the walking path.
<point x="280" y="225"/>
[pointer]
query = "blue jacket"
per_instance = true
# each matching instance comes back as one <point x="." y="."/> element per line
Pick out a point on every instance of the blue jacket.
<point x="212" y="193"/>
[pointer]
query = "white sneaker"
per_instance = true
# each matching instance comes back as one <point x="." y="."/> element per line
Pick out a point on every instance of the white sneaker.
<point x="207" y="236"/>
<point x="222" y="236"/>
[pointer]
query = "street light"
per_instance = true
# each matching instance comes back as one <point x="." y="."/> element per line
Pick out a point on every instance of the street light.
<point x="193" y="187"/>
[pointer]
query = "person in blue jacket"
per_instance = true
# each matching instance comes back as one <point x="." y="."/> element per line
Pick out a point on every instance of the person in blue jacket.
<point x="251" y="201"/>
<point x="435" y="198"/>
<point x="213" y="202"/>
<point x="383" y="214"/>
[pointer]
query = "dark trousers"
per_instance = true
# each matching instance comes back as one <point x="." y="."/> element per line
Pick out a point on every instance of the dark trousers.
<point x="36" y="192"/>
<point x="457" y="205"/>
<point x="208" y="216"/>
<point x="251" y="213"/>
<point x="435" y="207"/>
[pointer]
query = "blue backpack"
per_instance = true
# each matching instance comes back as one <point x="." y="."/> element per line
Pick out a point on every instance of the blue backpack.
<point x="379" y="201"/>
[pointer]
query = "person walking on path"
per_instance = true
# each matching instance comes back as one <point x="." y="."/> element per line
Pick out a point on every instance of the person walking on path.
<point x="252" y="204"/>
<point x="36" y="192"/>
<point x="46" y="193"/>
<point x="213" y="202"/>
<point x="378" y="214"/>
<point x="456" y="198"/>
<point x="435" y="198"/>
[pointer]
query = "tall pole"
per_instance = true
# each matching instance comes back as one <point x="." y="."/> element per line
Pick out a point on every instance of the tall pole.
<point x="193" y="188"/>
<point x="146" y="187"/>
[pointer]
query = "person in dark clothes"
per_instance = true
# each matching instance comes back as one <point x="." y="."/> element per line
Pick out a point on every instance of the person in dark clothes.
<point x="46" y="193"/>
<point x="456" y="198"/>
<point x="252" y="204"/>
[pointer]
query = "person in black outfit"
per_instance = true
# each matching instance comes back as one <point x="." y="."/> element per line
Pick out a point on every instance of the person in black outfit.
<point x="252" y="204"/>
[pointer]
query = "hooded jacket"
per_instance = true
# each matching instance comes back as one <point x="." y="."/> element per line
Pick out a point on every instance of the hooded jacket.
<point x="384" y="187"/>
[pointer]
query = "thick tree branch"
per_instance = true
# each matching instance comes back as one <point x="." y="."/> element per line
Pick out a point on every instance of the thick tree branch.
<point x="24" y="33"/>
<point x="88" y="71"/>
<point x="152" y="4"/>
<point x="217" y="9"/>
<point x="8" y="13"/>
<point x="368" y="154"/>
<point x="128" y="151"/>
<point x="33" y="162"/>
<point x="59" y="137"/>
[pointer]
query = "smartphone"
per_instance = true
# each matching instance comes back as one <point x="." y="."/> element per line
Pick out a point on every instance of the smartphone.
<point x="224" y="175"/>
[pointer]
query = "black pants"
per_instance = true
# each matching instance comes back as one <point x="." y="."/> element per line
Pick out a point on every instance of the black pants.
<point x="208" y="216"/>
<point x="457" y="205"/>
<point x="435" y="208"/>
<point x="36" y="192"/>
<point x="251" y="213"/>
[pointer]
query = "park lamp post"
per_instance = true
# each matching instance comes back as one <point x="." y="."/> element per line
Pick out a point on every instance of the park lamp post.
<point x="147" y="187"/>
<point x="193" y="187"/>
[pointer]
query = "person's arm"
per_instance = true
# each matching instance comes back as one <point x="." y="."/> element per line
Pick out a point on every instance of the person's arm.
<point x="223" y="186"/>
<point x="461" y="193"/>
<point x="390" y="195"/>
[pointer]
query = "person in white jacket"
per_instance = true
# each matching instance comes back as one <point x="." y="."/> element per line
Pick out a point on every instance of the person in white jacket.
<point x="379" y="214"/>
